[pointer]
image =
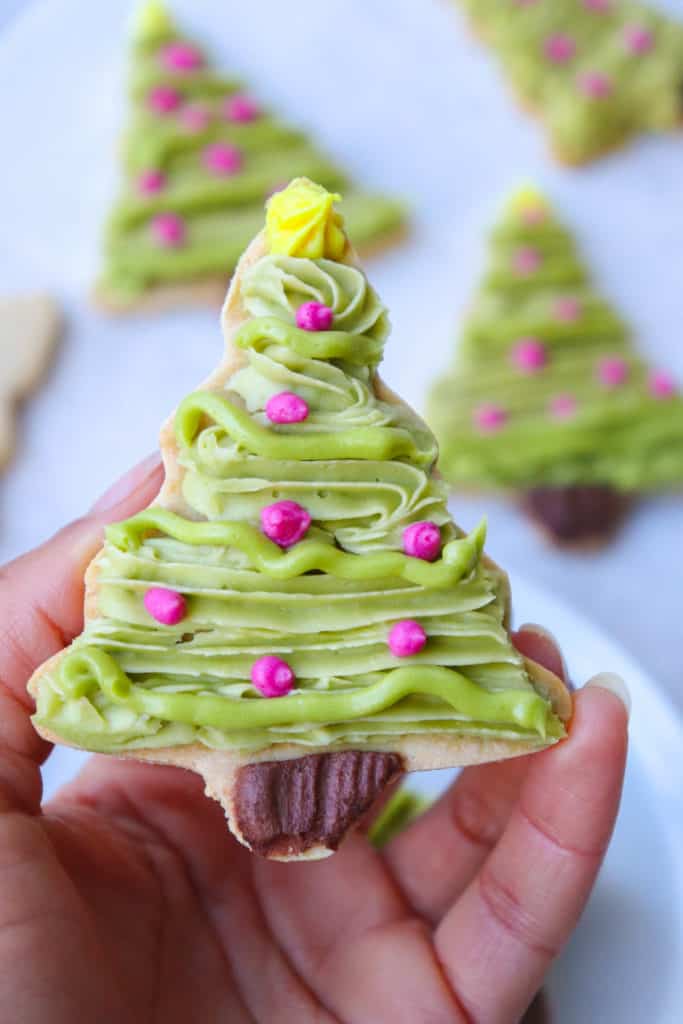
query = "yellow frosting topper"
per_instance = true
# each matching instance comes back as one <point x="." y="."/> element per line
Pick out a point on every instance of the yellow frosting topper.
<point x="301" y="221"/>
<point x="151" y="20"/>
<point x="528" y="204"/>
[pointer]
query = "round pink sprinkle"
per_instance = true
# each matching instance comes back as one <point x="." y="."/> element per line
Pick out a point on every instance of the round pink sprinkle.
<point x="567" y="309"/>
<point x="222" y="159"/>
<point x="563" y="407"/>
<point x="526" y="260"/>
<point x="598" y="5"/>
<point x="406" y="638"/>
<point x="194" y="117"/>
<point x="181" y="57"/>
<point x="168" y="229"/>
<point x="285" y="522"/>
<point x="489" y="417"/>
<point x="529" y="355"/>
<point x="595" y="85"/>
<point x="638" y="39"/>
<point x="314" y="316"/>
<point x="166" y="606"/>
<point x="286" y="407"/>
<point x="151" y="181"/>
<point x="241" y="109"/>
<point x="272" y="676"/>
<point x="422" y="540"/>
<point x="559" y="48"/>
<point x="662" y="384"/>
<point x="612" y="371"/>
<point x="533" y="214"/>
<point x="162" y="99"/>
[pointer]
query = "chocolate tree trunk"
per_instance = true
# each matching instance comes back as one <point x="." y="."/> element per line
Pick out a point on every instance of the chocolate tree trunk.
<point x="576" y="515"/>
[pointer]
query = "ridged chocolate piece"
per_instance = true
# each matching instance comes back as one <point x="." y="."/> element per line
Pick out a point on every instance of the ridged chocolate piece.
<point x="538" y="1012"/>
<point x="286" y="807"/>
<point x="574" y="515"/>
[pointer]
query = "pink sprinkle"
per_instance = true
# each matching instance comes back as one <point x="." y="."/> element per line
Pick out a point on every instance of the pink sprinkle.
<point x="526" y="260"/>
<point x="406" y="638"/>
<point x="638" y="39"/>
<point x="274" y="189"/>
<point x="559" y="48"/>
<point x="222" y="159"/>
<point x="422" y="540"/>
<point x="181" y="57"/>
<point x="595" y="85"/>
<point x="533" y="214"/>
<point x="563" y="407"/>
<point x="662" y="384"/>
<point x="241" y="109"/>
<point x="162" y="99"/>
<point x="151" y="181"/>
<point x="285" y="522"/>
<point x="286" y="407"/>
<point x="194" y="117"/>
<point x="567" y="309"/>
<point x="272" y="676"/>
<point x="529" y="355"/>
<point x="314" y="316"/>
<point x="489" y="417"/>
<point x="168" y="229"/>
<point x="166" y="606"/>
<point x="598" y="5"/>
<point x="612" y="371"/>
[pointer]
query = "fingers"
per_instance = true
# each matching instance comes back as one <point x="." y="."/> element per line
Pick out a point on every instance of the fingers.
<point x="41" y="610"/>
<point x="499" y="938"/>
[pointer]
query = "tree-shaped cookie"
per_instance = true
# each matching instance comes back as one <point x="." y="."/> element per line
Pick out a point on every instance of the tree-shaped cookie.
<point x="297" y="617"/>
<point x="200" y="156"/>
<point x="596" y="71"/>
<point x="547" y="396"/>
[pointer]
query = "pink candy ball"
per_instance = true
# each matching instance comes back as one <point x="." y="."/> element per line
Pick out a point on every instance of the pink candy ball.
<point x="422" y="540"/>
<point x="241" y="109"/>
<point x="612" y="372"/>
<point x="595" y="85"/>
<point x="314" y="316"/>
<point x="567" y="309"/>
<point x="181" y="57"/>
<point x="272" y="676"/>
<point x="194" y="117"/>
<point x="168" y="229"/>
<point x="559" y="48"/>
<point x="533" y="215"/>
<point x="661" y="384"/>
<point x="526" y="260"/>
<point x="285" y="522"/>
<point x="286" y="407"/>
<point x="489" y="418"/>
<point x="602" y="6"/>
<point x="163" y="99"/>
<point x="638" y="39"/>
<point x="406" y="638"/>
<point x="166" y="606"/>
<point x="152" y="181"/>
<point x="529" y="355"/>
<point x="562" y="407"/>
<point x="222" y="159"/>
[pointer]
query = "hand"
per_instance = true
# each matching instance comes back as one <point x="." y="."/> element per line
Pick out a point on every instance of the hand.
<point x="126" y="900"/>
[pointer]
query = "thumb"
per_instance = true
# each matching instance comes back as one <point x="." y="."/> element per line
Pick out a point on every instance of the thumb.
<point x="41" y="611"/>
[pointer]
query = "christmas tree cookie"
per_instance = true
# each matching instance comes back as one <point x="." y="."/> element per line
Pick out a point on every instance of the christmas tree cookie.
<point x="596" y="71"/>
<point x="200" y="157"/>
<point x="296" y="617"/>
<point x="547" y="395"/>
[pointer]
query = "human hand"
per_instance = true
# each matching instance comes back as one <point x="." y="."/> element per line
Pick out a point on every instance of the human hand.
<point x="125" y="899"/>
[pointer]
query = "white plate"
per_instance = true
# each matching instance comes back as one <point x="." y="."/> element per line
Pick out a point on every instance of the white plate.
<point x="623" y="964"/>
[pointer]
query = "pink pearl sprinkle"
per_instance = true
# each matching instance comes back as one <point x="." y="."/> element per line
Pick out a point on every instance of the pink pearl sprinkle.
<point x="241" y="109"/>
<point x="559" y="48"/>
<point x="662" y="384"/>
<point x="194" y="117"/>
<point x="151" y="181"/>
<point x="529" y="355"/>
<point x="422" y="540"/>
<point x="272" y="676"/>
<point x="598" y="5"/>
<point x="168" y="229"/>
<point x="406" y="638"/>
<point x="595" y="85"/>
<point x="166" y="606"/>
<point x="638" y="39"/>
<point x="285" y="522"/>
<point x="314" y="316"/>
<point x="533" y="214"/>
<point x="181" y="57"/>
<point x="526" y="260"/>
<point x="567" y="309"/>
<point x="222" y="159"/>
<point x="489" y="418"/>
<point x="162" y="99"/>
<point x="286" y="407"/>
<point x="612" y="371"/>
<point x="563" y="407"/>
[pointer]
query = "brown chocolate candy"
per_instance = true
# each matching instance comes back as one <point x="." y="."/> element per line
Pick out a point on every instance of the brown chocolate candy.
<point x="538" y="1012"/>
<point x="576" y="515"/>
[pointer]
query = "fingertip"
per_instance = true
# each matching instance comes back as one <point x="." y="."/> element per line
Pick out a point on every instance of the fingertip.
<point x="612" y="683"/>
<point x="539" y="645"/>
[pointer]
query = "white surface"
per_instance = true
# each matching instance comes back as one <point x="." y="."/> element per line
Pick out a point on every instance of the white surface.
<point x="623" y="963"/>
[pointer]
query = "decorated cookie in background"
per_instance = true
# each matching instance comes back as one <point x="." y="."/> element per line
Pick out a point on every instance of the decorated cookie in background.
<point x="547" y="396"/>
<point x="597" y="72"/>
<point x="307" y="622"/>
<point x="29" y="330"/>
<point x="200" y="157"/>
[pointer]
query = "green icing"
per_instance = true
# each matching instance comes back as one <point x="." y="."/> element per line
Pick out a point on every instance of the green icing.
<point x="624" y="436"/>
<point x="396" y="815"/>
<point x="362" y="468"/>
<point x="644" y="82"/>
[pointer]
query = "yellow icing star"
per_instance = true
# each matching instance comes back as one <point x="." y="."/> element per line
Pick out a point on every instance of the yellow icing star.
<point x="151" y="20"/>
<point x="301" y="221"/>
<point x="528" y="204"/>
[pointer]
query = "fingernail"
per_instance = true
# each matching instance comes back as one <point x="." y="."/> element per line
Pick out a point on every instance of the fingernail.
<point x="127" y="485"/>
<point x="533" y="627"/>
<point x="614" y="684"/>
